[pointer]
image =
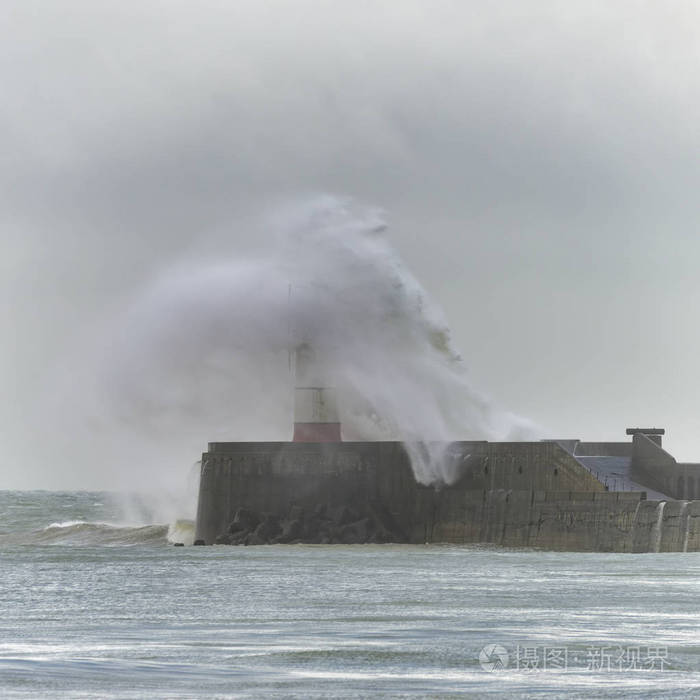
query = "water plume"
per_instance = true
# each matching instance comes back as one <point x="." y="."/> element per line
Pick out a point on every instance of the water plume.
<point x="204" y="352"/>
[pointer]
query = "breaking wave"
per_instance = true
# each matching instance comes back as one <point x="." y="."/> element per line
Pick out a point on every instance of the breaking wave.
<point x="203" y="351"/>
<point x="82" y="533"/>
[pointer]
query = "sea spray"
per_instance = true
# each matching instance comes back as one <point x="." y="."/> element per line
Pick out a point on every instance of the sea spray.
<point x="173" y="505"/>
<point x="202" y="352"/>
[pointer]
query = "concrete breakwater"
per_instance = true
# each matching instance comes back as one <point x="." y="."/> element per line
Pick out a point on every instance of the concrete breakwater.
<point x="512" y="494"/>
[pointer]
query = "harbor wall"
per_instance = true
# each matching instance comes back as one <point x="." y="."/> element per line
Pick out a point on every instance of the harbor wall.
<point x="511" y="494"/>
<point x="652" y="465"/>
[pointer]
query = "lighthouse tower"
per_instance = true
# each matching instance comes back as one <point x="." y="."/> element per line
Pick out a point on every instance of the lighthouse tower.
<point x="315" y="408"/>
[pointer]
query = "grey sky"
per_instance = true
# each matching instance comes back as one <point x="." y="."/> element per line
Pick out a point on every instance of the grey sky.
<point x="538" y="162"/>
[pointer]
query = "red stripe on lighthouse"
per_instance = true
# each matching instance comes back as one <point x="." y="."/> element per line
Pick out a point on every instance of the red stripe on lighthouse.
<point x="317" y="432"/>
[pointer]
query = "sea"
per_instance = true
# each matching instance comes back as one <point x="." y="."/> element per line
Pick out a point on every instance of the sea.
<point x="92" y="606"/>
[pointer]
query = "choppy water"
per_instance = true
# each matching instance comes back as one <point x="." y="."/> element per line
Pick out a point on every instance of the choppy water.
<point x="99" y="610"/>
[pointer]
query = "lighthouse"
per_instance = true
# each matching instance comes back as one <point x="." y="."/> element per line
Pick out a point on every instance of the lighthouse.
<point x="315" y="408"/>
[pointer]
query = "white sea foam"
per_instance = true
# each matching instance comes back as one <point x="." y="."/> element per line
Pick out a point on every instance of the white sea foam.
<point x="73" y="523"/>
<point x="181" y="531"/>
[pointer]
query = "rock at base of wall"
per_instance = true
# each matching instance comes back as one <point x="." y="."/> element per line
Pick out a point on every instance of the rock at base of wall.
<point x="244" y="519"/>
<point x="324" y="525"/>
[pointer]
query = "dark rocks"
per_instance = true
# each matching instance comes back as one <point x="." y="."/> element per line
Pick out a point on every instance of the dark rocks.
<point x="322" y="525"/>
<point x="358" y="532"/>
<point x="244" y="519"/>
<point x="239" y="537"/>
<point x="292" y="530"/>
<point x="178" y="544"/>
<point x="387" y="529"/>
<point x="269" y="528"/>
<point x="255" y="538"/>
<point x="199" y="543"/>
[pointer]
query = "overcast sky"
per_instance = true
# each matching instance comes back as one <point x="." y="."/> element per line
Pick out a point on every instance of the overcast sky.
<point x="538" y="163"/>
